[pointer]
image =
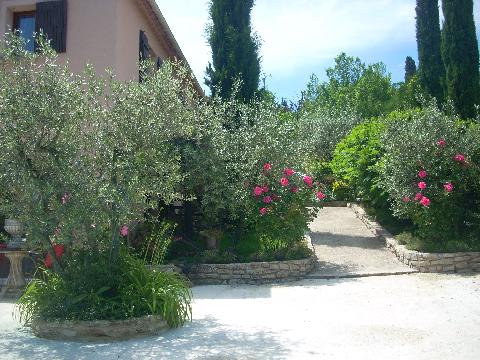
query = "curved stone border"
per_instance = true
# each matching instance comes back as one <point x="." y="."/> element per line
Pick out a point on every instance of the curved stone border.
<point x="251" y="273"/>
<point x="100" y="330"/>
<point x="423" y="262"/>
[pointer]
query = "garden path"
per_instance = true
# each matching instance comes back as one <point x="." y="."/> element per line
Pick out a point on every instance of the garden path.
<point x="345" y="247"/>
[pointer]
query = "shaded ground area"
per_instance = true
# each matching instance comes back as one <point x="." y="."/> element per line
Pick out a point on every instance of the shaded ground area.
<point x="345" y="247"/>
<point x="415" y="317"/>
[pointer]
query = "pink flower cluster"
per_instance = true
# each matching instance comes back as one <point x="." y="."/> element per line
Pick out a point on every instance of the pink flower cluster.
<point x="422" y="174"/>
<point x="264" y="194"/>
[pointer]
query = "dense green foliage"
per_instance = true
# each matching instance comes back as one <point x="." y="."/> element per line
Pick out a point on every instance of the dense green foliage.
<point x="461" y="57"/>
<point x="234" y="50"/>
<point x="356" y="160"/>
<point x="410" y="68"/>
<point x="91" y="288"/>
<point x="431" y="68"/>
<point x="365" y="89"/>
<point x="120" y="136"/>
<point x="430" y="170"/>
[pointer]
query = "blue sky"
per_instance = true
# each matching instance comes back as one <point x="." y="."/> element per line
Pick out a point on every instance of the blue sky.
<point x="302" y="37"/>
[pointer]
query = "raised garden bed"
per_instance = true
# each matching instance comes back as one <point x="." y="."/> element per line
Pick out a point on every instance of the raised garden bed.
<point x="251" y="272"/>
<point x="423" y="262"/>
<point x="100" y="330"/>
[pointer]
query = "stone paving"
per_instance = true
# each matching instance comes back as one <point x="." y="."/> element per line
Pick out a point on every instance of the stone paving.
<point x="413" y="317"/>
<point x="346" y="248"/>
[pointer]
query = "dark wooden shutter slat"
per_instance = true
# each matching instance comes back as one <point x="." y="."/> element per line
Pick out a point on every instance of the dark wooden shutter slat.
<point x="144" y="47"/>
<point x="51" y="19"/>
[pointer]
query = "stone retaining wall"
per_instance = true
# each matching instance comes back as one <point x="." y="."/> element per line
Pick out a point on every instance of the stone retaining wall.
<point x="251" y="273"/>
<point x="100" y="330"/>
<point x="424" y="262"/>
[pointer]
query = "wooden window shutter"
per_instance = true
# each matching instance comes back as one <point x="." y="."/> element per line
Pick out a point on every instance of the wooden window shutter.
<point x="144" y="47"/>
<point x="51" y="19"/>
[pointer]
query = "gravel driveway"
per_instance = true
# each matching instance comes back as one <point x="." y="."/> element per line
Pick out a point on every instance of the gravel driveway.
<point x="416" y="316"/>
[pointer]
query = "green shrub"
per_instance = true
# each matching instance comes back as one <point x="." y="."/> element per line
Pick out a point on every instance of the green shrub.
<point x="325" y="128"/>
<point x="430" y="171"/>
<point x="91" y="288"/>
<point x="356" y="157"/>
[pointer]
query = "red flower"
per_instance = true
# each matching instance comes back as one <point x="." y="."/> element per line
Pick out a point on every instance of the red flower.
<point x="308" y="180"/>
<point x="263" y="211"/>
<point x="48" y="261"/>
<point x="294" y="189"/>
<point x="418" y="197"/>
<point x="258" y="190"/>
<point x="460" y="158"/>
<point x="442" y="143"/>
<point x="406" y="199"/>
<point x="320" y="195"/>
<point x="59" y="250"/>
<point x="284" y="181"/>
<point x="267" y="167"/>
<point x="267" y="199"/>
<point x="289" y="172"/>
<point x="124" y="231"/>
<point x="448" y="187"/>
<point x="265" y="188"/>
<point x="422" y="174"/>
<point x="422" y="185"/>
<point x="425" y="201"/>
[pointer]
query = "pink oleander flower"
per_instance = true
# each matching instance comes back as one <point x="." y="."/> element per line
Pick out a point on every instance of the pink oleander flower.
<point x="460" y="158"/>
<point x="263" y="211"/>
<point x="425" y="201"/>
<point x="267" y="167"/>
<point x="308" y="180"/>
<point x="418" y="196"/>
<point x="320" y="195"/>
<point x="406" y="199"/>
<point x="265" y="188"/>
<point x="422" y="174"/>
<point x="442" y="143"/>
<point x="448" y="187"/>
<point x="294" y="189"/>
<point x="124" y="231"/>
<point x="284" y="181"/>
<point x="258" y="190"/>
<point x="422" y="185"/>
<point x="267" y="199"/>
<point x="289" y="172"/>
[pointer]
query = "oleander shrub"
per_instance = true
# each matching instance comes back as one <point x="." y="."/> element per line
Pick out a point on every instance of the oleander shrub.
<point x="430" y="170"/>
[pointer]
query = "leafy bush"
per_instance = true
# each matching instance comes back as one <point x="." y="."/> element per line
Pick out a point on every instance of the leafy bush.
<point x="325" y="128"/>
<point x="356" y="159"/>
<point x="431" y="170"/>
<point x="121" y="137"/>
<point x="284" y="202"/>
<point x="92" y="288"/>
<point x="365" y="89"/>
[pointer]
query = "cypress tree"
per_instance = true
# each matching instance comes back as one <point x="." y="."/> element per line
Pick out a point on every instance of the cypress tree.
<point x="410" y="69"/>
<point x="460" y="54"/>
<point x="234" y="49"/>
<point x="431" y="70"/>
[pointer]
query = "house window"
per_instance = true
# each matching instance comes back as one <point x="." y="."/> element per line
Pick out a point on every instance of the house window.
<point x="25" y="23"/>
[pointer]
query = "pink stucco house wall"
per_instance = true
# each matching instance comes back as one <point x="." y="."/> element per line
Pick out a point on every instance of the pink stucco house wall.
<point x="104" y="33"/>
